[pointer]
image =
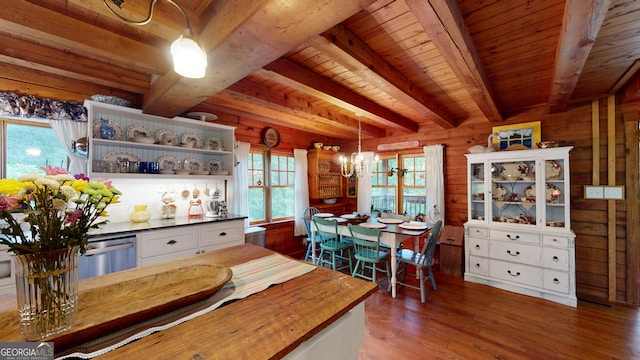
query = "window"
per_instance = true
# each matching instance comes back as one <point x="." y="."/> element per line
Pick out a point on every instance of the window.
<point x="271" y="200"/>
<point x="29" y="145"/>
<point x="409" y="181"/>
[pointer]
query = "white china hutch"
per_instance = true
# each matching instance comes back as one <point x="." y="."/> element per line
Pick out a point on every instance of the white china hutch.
<point x="518" y="236"/>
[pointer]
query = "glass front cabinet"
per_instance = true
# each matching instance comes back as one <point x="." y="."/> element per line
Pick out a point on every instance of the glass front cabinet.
<point x="518" y="232"/>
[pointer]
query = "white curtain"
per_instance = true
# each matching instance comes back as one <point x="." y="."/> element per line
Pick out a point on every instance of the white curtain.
<point x="434" y="166"/>
<point x="301" y="190"/>
<point x="68" y="131"/>
<point x="240" y="200"/>
<point x="364" y="185"/>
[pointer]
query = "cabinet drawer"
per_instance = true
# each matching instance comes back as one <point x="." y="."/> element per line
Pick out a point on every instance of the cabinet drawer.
<point x="523" y="274"/>
<point x="478" y="265"/>
<point x="476" y="231"/>
<point x="555" y="259"/>
<point x="556" y="281"/>
<point x="154" y="243"/>
<point x="515" y="236"/>
<point x="560" y="241"/>
<point x="479" y="247"/>
<point x="222" y="233"/>
<point x="513" y="251"/>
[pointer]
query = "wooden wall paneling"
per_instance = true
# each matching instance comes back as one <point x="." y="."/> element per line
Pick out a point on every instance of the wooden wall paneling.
<point x="611" y="180"/>
<point x="632" y="191"/>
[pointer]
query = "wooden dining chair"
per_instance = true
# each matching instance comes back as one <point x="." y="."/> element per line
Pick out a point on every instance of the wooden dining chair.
<point x="368" y="253"/>
<point x="422" y="260"/>
<point x="331" y="245"/>
<point x="306" y="217"/>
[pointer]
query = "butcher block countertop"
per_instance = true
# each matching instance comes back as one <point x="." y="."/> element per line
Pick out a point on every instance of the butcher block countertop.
<point x="268" y="324"/>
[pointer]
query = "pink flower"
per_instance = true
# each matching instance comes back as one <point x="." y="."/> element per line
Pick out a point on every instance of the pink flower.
<point x="9" y="203"/>
<point x="73" y="216"/>
<point x="53" y="170"/>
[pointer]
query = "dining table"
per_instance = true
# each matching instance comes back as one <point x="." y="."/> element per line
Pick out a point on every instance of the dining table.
<point x="391" y="235"/>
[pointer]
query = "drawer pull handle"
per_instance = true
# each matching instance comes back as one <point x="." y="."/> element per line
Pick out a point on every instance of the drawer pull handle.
<point x="451" y="239"/>
<point x="555" y="240"/>
<point x="515" y="238"/>
<point x="556" y="281"/>
<point x="171" y="242"/>
<point x="477" y="247"/>
<point x="516" y="274"/>
<point x="223" y="233"/>
<point x="477" y="266"/>
<point x="555" y="258"/>
<point x="516" y="254"/>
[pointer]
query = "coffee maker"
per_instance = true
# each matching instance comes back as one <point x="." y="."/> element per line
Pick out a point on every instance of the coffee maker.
<point x="213" y="204"/>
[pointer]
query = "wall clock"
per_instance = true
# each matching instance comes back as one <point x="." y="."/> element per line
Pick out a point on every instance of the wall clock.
<point x="270" y="137"/>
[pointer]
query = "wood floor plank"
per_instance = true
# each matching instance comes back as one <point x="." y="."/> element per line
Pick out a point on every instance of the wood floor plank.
<point x="462" y="320"/>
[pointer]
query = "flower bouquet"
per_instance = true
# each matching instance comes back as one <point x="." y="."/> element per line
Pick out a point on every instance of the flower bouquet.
<point x="44" y="221"/>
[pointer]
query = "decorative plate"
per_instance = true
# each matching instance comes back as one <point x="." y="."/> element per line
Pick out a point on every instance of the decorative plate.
<point x="479" y="172"/>
<point x="390" y="221"/>
<point x="552" y="170"/>
<point x="168" y="163"/>
<point x="552" y="193"/>
<point x="193" y="164"/>
<point x="213" y="165"/>
<point x="372" y="225"/>
<point x="348" y="216"/>
<point x="323" y="215"/>
<point x="498" y="191"/>
<point x="120" y="156"/>
<point x="143" y="140"/>
<point x="213" y="143"/>
<point x="514" y="171"/>
<point x="192" y="138"/>
<point x="529" y="194"/>
<point x="135" y="131"/>
<point x="413" y="226"/>
<point x="111" y="125"/>
<point x="163" y="135"/>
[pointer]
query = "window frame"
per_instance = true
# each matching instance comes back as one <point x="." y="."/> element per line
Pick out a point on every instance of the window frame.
<point x="266" y="154"/>
<point x="385" y="165"/>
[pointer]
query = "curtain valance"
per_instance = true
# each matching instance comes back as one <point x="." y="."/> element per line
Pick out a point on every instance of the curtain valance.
<point x="28" y="106"/>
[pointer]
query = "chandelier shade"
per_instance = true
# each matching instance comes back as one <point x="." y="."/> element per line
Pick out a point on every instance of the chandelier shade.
<point x="357" y="163"/>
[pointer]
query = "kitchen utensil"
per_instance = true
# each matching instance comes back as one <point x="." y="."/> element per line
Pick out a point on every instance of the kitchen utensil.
<point x="185" y="193"/>
<point x="206" y="189"/>
<point x="196" y="192"/>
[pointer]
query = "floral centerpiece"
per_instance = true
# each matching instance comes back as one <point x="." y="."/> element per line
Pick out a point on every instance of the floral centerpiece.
<point x="44" y="221"/>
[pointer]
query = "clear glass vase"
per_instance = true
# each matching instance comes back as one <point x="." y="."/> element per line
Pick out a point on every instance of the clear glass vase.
<point x="47" y="292"/>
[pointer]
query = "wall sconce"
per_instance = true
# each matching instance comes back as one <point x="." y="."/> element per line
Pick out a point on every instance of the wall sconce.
<point x="400" y="172"/>
<point x="189" y="59"/>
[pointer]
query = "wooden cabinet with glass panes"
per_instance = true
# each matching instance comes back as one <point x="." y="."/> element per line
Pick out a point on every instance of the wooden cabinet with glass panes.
<point x="518" y="236"/>
<point x="325" y="180"/>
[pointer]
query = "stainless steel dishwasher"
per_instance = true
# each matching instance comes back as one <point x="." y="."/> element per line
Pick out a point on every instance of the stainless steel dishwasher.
<point x="107" y="255"/>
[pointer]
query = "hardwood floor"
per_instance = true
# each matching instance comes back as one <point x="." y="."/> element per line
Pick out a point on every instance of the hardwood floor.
<point x="462" y="320"/>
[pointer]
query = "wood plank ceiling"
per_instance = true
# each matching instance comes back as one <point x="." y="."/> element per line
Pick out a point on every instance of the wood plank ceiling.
<point x="398" y="65"/>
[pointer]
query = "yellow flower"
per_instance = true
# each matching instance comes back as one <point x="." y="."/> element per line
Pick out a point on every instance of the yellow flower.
<point x="80" y="185"/>
<point x="11" y="186"/>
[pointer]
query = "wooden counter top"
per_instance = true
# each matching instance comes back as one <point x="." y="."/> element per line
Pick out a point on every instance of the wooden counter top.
<point x="266" y="325"/>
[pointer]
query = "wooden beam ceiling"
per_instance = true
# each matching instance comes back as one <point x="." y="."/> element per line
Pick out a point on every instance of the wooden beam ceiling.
<point x="444" y="24"/>
<point x="581" y="24"/>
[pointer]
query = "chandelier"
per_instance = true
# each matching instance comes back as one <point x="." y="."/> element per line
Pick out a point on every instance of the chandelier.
<point x="189" y="59"/>
<point x="357" y="163"/>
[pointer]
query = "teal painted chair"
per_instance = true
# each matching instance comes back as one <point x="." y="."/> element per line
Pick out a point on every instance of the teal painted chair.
<point x="307" y="217"/>
<point x="369" y="253"/>
<point x="422" y="260"/>
<point x="333" y="251"/>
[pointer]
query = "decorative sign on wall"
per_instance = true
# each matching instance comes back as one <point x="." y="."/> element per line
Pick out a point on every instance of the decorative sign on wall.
<point x="270" y="137"/>
<point x="398" y="145"/>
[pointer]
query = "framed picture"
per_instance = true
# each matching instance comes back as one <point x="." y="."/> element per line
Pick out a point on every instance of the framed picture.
<point x="352" y="186"/>
<point x="517" y="136"/>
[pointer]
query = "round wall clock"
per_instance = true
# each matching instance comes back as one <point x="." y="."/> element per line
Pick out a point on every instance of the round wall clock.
<point x="270" y="137"/>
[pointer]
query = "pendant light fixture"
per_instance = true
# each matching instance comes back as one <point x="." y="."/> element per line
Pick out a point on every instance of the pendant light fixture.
<point x="356" y="164"/>
<point x="189" y="59"/>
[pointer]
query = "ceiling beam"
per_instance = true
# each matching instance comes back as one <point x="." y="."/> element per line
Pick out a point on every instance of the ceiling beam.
<point x="580" y="27"/>
<point x="304" y="115"/>
<point x="302" y="79"/>
<point x="348" y="50"/>
<point x="444" y="24"/>
<point x="38" y="24"/>
<point x="242" y="37"/>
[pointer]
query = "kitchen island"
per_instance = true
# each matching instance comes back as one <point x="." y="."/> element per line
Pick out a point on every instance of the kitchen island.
<point x="321" y="310"/>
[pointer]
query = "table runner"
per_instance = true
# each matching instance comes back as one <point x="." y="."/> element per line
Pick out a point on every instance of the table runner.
<point x="247" y="279"/>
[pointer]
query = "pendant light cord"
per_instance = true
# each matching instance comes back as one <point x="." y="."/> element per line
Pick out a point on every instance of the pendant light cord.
<point x="150" y="15"/>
